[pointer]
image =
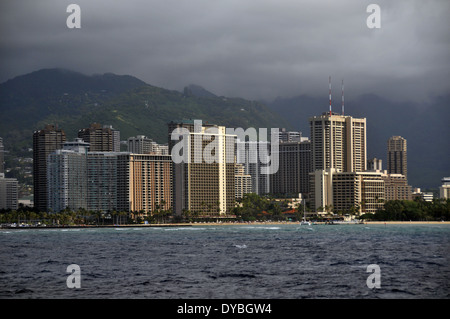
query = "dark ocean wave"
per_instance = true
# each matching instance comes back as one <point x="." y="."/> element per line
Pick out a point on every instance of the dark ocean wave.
<point x="279" y="262"/>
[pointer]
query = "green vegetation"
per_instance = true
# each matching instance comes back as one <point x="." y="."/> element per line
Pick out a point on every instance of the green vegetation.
<point x="28" y="216"/>
<point x="414" y="210"/>
<point x="253" y="207"/>
<point x="74" y="101"/>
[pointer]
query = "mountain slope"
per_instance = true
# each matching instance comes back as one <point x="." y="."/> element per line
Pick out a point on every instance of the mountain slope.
<point x="73" y="101"/>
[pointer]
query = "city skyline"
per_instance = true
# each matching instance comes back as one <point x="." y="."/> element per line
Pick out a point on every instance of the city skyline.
<point x="323" y="170"/>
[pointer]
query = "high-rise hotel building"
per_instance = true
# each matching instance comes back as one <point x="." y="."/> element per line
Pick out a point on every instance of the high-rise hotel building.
<point x="339" y="142"/>
<point x="45" y="141"/>
<point x="67" y="185"/>
<point x="108" y="181"/>
<point x="102" y="181"/>
<point x="338" y="146"/>
<point x="204" y="179"/>
<point x="396" y="156"/>
<point x="101" y="138"/>
<point x="144" y="182"/>
<point x="294" y="160"/>
<point x="253" y="165"/>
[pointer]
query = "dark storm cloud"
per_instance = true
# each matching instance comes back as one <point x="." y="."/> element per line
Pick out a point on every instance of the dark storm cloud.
<point x="247" y="48"/>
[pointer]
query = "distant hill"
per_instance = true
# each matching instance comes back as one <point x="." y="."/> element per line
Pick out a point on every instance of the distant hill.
<point x="73" y="100"/>
<point x="197" y="90"/>
<point x="426" y="128"/>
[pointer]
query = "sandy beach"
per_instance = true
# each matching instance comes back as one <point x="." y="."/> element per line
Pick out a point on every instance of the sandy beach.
<point x="407" y="222"/>
<point x="200" y="224"/>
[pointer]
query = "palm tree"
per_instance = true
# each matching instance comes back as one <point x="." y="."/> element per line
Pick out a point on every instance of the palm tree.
<point x="218" y="208"/>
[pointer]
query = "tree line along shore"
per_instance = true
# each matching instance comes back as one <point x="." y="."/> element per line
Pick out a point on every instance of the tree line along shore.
<point x="251" y="208"/>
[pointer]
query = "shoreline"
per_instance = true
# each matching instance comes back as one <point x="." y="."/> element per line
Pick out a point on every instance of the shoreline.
<point x="409" y="222"/>
<point x="227" y="224"/>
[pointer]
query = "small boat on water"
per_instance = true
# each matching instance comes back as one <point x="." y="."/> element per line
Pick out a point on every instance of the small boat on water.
<point x="304" y="221"/>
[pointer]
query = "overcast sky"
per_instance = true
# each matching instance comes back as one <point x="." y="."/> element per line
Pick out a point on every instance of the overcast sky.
<point x="248" y="48"/>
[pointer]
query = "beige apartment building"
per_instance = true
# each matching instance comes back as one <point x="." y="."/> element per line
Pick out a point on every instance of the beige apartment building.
<point x="338" y="142"/>
<point x="347" y="192"/>
<point x="144" y="182"/>
<point x="396" y="187"/>
<point x="339" y="151"/>
<point x="204" y="180"/>
<point x="358" y="192"/>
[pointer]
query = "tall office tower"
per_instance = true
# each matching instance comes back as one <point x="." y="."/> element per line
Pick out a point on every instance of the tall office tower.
<point x="338" y="142"/>
<point x="140" y="144"/>
<point x="45" y="141"/>
<point x="396" y="156"/>
<point x="204" y="178"/>
<point x="8" y="193"/>
<point x="115" y="138"/>
<point x="242" y="181"/>
<point x="2" y="156"/>
<point x="253" y="165"/>
<point x="144" y="182"/>
<point x="102" y="181"/>
<point x="292" y="176"/>
<point x="101" y="138"/>
<point x="67" y="177"/>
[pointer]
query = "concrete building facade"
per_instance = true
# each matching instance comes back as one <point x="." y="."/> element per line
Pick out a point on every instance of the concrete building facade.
<point x="338" y="142"/>
<point x="292" y="176"/>
<point x="67" y="185"/>
<point x="45" y="142"/>
<point x="101" y="138"/>
<point x="204" y="179"/>
<point x="397" y="156"/>
<point x="8" y="193"/>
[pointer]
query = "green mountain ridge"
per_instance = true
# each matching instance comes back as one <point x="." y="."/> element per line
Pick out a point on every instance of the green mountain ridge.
<point x="73" y="101"/>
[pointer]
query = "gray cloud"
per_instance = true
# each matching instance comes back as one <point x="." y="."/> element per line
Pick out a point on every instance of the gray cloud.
<point x="248" y="48"/>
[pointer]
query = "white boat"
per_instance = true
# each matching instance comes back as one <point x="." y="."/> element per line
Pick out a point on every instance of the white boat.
<point x="304" y="221"/>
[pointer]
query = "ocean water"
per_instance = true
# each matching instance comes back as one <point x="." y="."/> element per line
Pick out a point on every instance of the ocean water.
<point x="241" y="261"/>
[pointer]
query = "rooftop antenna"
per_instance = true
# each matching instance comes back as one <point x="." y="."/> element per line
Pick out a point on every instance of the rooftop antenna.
<point x="342" y="96"/>
<point x="329" y="81"/>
